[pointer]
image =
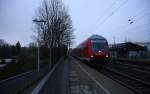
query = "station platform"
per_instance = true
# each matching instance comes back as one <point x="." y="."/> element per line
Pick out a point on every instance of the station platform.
<point x="70" y="76"/>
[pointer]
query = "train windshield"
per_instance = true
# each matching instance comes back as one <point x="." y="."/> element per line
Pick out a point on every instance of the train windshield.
<point x="99" y="45"/>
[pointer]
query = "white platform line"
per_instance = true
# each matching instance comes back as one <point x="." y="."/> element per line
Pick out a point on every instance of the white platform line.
<point x="107" y="92"/>
<point x="43" y="81"/>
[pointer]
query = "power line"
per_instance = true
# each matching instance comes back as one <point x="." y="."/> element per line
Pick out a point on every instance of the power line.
<point x="135" y="17"/>
<point x="104" y="12"/>
<point x="111" y="6"/>
<point x="138" y="27"/>
<point x="113" y="12"/>
<point x="141" y="12"/>
<point x="138" y="17"/>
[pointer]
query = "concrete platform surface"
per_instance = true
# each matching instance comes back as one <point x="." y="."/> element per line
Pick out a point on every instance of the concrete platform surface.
<point x="73" y="77"/>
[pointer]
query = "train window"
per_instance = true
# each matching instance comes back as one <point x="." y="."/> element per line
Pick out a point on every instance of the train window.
<point x="99" y="46"/>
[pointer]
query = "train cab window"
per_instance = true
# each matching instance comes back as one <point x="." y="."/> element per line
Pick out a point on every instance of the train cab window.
<point x="99" y="46"/>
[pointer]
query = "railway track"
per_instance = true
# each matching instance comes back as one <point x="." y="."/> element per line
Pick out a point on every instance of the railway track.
<point x="128" y="77"/>
<point x="134" y="77"/>
<point x="133" y="84"/>
<point x="133" y="72"/>
<point x="135" y="66"/>
<point x="142" y="65"/>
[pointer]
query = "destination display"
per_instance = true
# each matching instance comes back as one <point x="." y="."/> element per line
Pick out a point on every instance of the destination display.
<point x="98" y="41"/>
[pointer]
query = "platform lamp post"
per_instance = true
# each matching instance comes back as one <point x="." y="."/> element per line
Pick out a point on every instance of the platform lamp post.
<point x="115" y="53"/>
<point x="38" y="21"/>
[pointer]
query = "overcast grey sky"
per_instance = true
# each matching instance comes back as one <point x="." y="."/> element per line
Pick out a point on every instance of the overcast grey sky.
<point x="108" y="18"/>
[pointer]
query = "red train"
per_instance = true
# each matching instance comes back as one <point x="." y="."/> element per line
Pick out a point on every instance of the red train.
<point x="94" y="49"/>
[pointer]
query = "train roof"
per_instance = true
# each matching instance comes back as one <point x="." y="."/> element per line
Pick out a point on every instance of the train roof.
<point x="93" y="37"/>
<point x="96" y="37"/>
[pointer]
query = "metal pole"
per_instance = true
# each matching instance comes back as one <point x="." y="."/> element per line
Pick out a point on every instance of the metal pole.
<point x="115" y="53"/>
<point x="50" y="49"/>
<point x="40" y="21"/>
<point x="114" y="40"/>
<point x="38" y="54"/>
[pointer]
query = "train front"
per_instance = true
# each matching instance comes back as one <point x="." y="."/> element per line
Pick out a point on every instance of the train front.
<point x="100" y="51"/>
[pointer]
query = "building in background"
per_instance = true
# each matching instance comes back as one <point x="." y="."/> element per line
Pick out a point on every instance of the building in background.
<point x="129" y="50"/>
<point x="144" y="44"/>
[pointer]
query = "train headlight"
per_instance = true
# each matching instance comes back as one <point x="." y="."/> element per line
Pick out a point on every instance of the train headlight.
<point x="99" y="51"/>
<point x="107" y="56"/>
<point x="91" y="56"/>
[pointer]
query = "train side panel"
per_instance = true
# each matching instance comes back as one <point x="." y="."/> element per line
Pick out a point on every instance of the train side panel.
<point x="87" y="49"/>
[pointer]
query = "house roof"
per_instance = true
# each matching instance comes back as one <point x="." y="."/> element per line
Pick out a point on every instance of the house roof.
<point x="128" y="47"/>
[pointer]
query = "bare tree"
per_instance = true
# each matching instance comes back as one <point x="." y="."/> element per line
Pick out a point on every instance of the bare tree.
<point x="57" y="31"/>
